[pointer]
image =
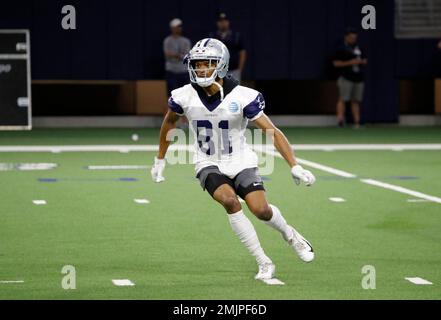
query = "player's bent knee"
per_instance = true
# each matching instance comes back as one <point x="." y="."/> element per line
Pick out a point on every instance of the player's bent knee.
<point x="262" y="212"/>
<point x="230" y="203"/>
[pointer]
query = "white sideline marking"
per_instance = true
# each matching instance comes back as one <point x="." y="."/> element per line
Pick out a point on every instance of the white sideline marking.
<point x="418" y="280"/>
<point x="117" y="167"/>
<point x="39" y="202"/>
<point x="11" y="281"/>
<point x="417" y="200"/>
<point x="273" y="282"/>
<point x="368" y="146"/>
<point x="27" y="166"/>
<point x="350" y="175"/>
<point x="142" y="201"/>
<point x="122" y="282"/>
<point x="326" y="168"/>
<point x="337" y="199"/>
<point x="312" y="164"/>
<point x="91" y="148"/>
<point x="152" y="147"/>
<point x="261" y="148"/>
<point x="241" y="200"/>
<point x="401" y="189"/>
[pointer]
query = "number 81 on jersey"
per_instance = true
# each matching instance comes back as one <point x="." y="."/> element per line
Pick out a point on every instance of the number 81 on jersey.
<point x="206" y="137"/>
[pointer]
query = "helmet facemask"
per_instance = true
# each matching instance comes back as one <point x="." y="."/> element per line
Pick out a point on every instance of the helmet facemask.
<point x="200" y="76"/>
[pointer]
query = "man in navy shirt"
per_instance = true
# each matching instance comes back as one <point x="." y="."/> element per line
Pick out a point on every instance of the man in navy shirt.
<point x="233" y="41"/>
<point x="350" y="62"/>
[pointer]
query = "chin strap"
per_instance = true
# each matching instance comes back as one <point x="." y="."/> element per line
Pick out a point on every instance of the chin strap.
<point x="221" y="89"/>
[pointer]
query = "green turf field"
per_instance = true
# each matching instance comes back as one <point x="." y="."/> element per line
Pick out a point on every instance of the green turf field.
<point x="181" y="246"/>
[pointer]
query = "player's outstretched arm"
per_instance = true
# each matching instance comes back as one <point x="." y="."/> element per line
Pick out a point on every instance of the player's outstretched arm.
<point x="169" y="123"/>
<point x="280" y="141"/>
<point x="282" y="145"/>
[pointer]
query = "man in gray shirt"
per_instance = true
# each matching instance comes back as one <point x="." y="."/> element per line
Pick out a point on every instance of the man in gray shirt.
<point x="175" y="48"/>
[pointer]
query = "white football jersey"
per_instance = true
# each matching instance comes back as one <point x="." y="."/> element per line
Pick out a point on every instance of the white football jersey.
<point x="219" y="126"/>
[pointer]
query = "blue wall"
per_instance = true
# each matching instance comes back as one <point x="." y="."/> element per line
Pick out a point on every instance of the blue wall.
<point x="122" y="39"/>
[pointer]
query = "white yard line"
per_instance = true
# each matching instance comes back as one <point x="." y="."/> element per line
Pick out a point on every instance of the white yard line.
<point x="262" y="148"/>
<point x="141" y="201"/>
<point x="310" y="164"/>
<point x="11" y="281"/>
<point x="417" y="200"/>
<point x="117" y="167"/>
<point x="368" y="146"/>
<point x="337" y="199"/>
<point x="350" y="175"/>
<point x="123" y="283"/>
<point x="418" y="280"/>
<point x="401" y="190"/>
<point x="91" y="148"/>
<point x="152" y="147"/>
<point x="326" y="168"/>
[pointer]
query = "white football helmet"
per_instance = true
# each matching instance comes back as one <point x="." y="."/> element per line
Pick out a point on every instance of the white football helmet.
<point x="216" y="53"/>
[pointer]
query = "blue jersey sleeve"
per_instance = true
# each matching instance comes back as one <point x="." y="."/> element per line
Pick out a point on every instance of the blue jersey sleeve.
<point x="175" y="107"/>
<point x="255" y="107"/>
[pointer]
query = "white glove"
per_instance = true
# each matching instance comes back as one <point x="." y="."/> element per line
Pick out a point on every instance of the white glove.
<point x="158" y="169"/>
<point x="300" y="174"/>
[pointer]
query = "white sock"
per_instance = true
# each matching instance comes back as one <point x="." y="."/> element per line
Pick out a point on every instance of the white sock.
<point x="278" y="222"/>
<point x="244" y="229"/>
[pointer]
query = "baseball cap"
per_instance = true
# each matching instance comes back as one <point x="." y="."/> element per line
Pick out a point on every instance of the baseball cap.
<point x="222" y="16"/>
<point x="350" y="30"/>
<point x="175" y="23"/>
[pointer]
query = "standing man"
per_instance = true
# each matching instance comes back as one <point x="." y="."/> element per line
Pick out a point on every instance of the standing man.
<point x="175" y="48"/>
<point x="233" y="41"/>
<point x="350" y="62"/>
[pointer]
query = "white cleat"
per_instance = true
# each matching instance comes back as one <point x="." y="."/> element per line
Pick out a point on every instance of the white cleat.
<point x="266" y="271"/>
<point x="301" y="246"/>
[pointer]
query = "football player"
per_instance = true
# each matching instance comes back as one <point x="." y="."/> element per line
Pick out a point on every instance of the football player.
<point x="218" y="110"/>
